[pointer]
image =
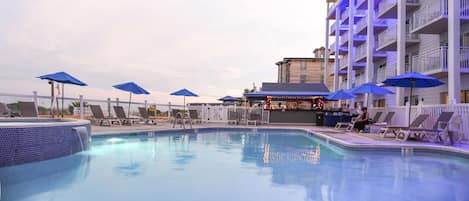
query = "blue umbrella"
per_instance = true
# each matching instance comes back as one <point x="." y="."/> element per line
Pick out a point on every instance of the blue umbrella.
<point x="412" y="80"/>
<point x="341" y="95"/>
<point x="132" y="88"/>
<point x="370" y="88"/>
<point x="184" y="92"/>
<point x="229" y="98"/>
<point x="64" y="78"/>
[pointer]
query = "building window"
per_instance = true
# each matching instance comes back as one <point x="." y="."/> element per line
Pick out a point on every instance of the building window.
<point x="379" y="103"/>
<point x="303" y="65"/>
<point x="302" y="78"/>
<point x="444" y="98"/>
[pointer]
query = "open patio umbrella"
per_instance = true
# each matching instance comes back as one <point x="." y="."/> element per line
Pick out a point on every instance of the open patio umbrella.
<point x="64" y="78"/>
<point x="132" y="88"/>
<point x="184" y="92"/>
<point x="412" y="80"/>
<point x="370" y="88"/>
<point x="341" y="95"/>
<point x="229" y="98"/>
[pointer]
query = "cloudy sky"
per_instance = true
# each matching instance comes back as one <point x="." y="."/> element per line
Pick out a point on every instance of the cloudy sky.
<point x="213" y="47"/>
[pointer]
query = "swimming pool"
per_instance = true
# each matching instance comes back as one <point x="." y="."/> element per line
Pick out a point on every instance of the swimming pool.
<point x="235" y="165"/>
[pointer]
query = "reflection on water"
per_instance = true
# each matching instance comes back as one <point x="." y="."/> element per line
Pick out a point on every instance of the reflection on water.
<point x="278" y="165"/>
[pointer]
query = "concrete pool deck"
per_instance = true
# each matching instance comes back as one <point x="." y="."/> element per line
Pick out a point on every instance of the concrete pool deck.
<point x="347" y="139"/>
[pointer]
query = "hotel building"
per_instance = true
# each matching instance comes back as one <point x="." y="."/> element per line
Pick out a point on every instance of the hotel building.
<point x="372" y="40"/>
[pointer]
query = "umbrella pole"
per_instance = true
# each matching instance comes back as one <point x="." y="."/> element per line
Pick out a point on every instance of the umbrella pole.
<point x="410" y="101"/>
<point x="130" y="101"/>
<point x="184" y="104"/>
<point x="63" y="85"/>
<point x="52" y="99"/>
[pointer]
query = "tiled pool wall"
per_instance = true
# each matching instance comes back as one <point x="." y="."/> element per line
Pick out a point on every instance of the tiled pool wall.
<point x="20" y="145"/>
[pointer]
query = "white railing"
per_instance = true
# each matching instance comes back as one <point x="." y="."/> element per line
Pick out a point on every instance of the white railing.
<point x="343" y="85"/>
<point x="344" y="38"/>
<point x="436" y="60"/>
<point x="333" y="27"/>
<point x="221" y="113"/>
<point x="384" y="5"/>
<point x="359" y="80"/>
<point x="388" y="35"/>
<point x="386" y="72"/>
<point x="401" y="114"/>
<point x="361" y="51"/>
<point x="438" y="8"/>
<point x="343" y="61"/>
<point x="78" y="107"/>
<point x="361" y="24"/>
<point x="344" y="15"/>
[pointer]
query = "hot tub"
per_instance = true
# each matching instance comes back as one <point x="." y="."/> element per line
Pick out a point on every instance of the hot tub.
<point x="28" y="140"/>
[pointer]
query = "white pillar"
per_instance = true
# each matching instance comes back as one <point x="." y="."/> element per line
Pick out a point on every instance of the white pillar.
<point x="401" y="50"/>
<point x="326" y="52"/>
<point x="454" y="46"/>
<point x="370" y="47"/>
<point x="351" y="57"/>
<point x="337" y="45"/>
<point x="82" y="107"/>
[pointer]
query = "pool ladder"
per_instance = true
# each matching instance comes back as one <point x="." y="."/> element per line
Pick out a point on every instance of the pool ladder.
<point x="407" y="151"/>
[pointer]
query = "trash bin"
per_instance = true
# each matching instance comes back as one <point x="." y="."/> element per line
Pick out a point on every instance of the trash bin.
<point x="320" y="119"/>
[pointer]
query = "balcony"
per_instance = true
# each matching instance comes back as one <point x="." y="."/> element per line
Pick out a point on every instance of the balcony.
<point x="387" y="40"/>
<point x="385" y="72"/>
<point x="333" y="29"/>
<point x="387" y="9"/>
<point x="343" y="62"/>
<point x="359" y="80"/>
<point x="344" y="39"/>
<point x="435" y="62"/>
<point x="360" y="54"/>
<point x="362" y="26"/>
<point x="362" y="4"/>
<point x="344" y="16"/>
<point x="432" y="18"/>
<point x="358" y="40"/>
<point x="343" y="84"/>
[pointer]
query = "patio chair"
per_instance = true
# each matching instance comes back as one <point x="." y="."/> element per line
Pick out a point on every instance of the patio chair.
<point x="233" y="117"/>
<point x="386" y="121"/>
<point x="27" y="109"/>
<point x="340" y="125"/>
<point x="194" y="116"/>
<point x="180" y="118"/>
<point x="100" y="119"/>
<point x="120" y="114"/>
<point x="433" y="133"/>
<point x="416" y="123"/>
<point x="4" y="110"/>
<point x="145" y="116"/>
<point x="453" y="132"/>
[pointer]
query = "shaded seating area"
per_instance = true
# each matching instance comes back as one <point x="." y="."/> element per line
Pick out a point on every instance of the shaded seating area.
<point x="146" y="116"/>
<point x="433" y="133"/>
<point x="393" y="129"/>
<point x="375" y="126"/>
<point x="120" y="114"/>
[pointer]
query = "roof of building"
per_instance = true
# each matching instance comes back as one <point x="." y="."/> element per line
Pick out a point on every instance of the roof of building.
<point x="288" y="59"/>
<point x="271" y="86"/>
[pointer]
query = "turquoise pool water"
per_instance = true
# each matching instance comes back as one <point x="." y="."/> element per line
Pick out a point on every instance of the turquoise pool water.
<point x="235" y="165"/>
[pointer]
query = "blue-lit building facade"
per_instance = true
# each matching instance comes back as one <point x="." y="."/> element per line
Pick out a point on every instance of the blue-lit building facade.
<point x="372" y="40"/>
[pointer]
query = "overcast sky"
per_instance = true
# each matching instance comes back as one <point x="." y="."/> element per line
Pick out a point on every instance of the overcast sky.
<point x="212" y="47"/>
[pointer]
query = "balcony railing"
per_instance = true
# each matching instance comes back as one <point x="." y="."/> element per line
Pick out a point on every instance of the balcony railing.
<point x="384" y="5"/>
<point x="436" y="61"/>
<point x="343" y="85"/>
<point x="361" y="51"/>
<point x="388" y="35"/>
<point x="386" y="72"/>
<point x="343" y="61"/>
<point x="431" y="11"/>
<point x="333" y="27"/>
<point x="344" y="14"/>
<point x="361" y="24"/>
<point x="359" y="80"/>
<point x="344" y="38"/>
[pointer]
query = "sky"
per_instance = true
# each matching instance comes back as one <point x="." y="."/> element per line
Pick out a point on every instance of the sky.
<point x="212" y="47"/>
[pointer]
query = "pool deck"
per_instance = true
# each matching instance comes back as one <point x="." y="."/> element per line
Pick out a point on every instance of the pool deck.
<point x="347" y="139"/>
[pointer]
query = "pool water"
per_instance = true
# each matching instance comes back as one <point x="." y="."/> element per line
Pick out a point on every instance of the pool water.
<point x="235" y="165"/>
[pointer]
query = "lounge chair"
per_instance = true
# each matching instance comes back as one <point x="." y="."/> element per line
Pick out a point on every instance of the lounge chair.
<point x="375" y="119"/>
<point x="386" y="121"/>
<point x="453" y="132"/>
<point x="233" y="117"/>
<point x="194" y="115"/>
<point x="120" y="114"/>
<point x="416" y="123"/>
<point x="4" y="110"/>
<point x="180" y="118"/>
<point x="340" y="125"/>
<point x="145" y="116"/>
<point x="100" y="119"/>
<point x="27" y="109"/>
<point x="439" y="126"/>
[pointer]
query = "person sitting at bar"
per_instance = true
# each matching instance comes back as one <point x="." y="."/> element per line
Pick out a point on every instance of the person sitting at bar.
<point x="362" y="120"/>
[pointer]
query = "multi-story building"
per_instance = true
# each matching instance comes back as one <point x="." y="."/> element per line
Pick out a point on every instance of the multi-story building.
<point x="372" y="40"/>
<point x="303" y="70"/>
